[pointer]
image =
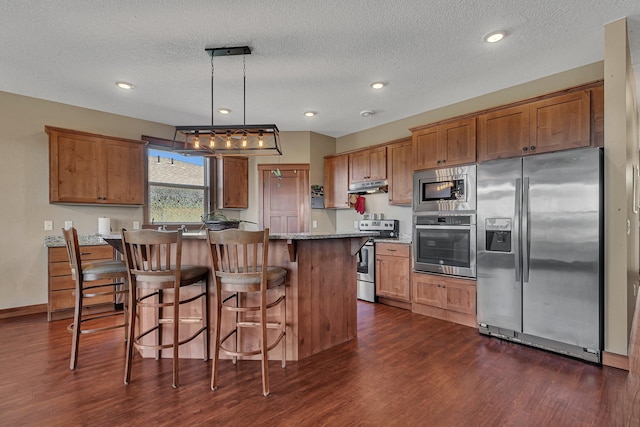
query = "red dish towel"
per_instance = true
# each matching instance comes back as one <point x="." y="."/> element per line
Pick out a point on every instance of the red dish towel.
<point x="360" y="205"/>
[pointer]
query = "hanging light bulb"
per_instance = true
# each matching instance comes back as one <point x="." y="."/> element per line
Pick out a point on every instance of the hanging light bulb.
<point x="212" y="140"/>
<point x="228" y="139"/>
<point x="244" y="138"/>
<point x="260" y="139"/>
<point x="196" y="140"/>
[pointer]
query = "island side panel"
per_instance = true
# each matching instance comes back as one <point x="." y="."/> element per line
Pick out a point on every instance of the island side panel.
<point x="327" y="294"/>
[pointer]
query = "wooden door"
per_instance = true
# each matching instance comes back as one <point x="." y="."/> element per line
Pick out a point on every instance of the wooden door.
<point x="285" y="200"/>
<point x="461" y="296"/>
<point x="400" y="170"/>
<point x="359" y="166"/>
<point x="232" y="182"/>
<point x="425" y="148"/>
<point x="123" y="174"/>
<point x="457" y="142"/>
<point x="503" y="133"/>
<point x="561" y="123"/>
<point x="336" y="182"/>
<point x="377" y="163"/>
<point x="428" y="290"/>
<point x="74" y="174"/>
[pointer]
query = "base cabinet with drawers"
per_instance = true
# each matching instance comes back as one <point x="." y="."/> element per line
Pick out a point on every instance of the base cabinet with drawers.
<point x="393" y="272"/>
<point x="62" y="285"/>
<point x="446" y="298"/>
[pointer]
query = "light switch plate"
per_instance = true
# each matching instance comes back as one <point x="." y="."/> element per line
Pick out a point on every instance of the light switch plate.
<point x="136" y="225"/>
<point x="48" y="225"/>
<point x="68" y="224"/>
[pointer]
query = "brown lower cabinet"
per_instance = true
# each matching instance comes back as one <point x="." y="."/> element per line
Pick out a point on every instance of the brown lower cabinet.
<point x="393" y="271"/>
<point x="61" y="284"/>
<point x="446" y="298"/>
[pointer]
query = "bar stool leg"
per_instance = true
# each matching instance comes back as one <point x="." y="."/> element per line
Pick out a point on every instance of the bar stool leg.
<point x="216" y="348"/>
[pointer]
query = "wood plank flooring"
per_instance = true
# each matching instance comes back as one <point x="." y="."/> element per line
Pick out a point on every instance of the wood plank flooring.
<point x="403" y="369"/>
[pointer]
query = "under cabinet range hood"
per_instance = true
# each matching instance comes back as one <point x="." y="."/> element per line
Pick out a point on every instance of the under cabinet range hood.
<point x="368" y="187"/>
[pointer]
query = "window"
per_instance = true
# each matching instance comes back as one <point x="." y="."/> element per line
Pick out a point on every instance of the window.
<point x="178" y="187"/>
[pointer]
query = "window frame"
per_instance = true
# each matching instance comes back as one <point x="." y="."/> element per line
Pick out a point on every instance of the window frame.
<point x="155" y="143"/>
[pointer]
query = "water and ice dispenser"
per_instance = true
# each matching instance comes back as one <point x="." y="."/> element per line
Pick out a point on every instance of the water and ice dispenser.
<point x="498" y="234"/>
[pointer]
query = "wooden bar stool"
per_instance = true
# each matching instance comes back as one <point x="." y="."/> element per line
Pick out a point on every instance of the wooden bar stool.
<point x="92" y="280"/>
<point x="240" y="260"/>
<point x="154" y="265"/>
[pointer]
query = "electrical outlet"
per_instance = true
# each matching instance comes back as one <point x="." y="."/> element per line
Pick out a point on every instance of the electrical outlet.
<point x="315" y="224"/>
<point x="355" y="224"/>
<point x="136" y="225"/>
<point x="48" y="225"/>
<point x="68" y="225"/>
<point x="635" y="289"/>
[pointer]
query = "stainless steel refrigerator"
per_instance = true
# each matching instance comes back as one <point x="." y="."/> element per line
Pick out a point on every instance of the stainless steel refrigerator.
<point x="540" y="251"/>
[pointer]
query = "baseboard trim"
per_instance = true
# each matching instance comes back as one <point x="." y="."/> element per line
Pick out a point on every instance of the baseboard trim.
<point x="23" y="311"/>
<point x="615" y="360"/>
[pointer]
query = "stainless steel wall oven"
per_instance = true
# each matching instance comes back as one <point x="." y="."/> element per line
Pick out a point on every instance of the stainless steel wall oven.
<point x="445" y="243"/>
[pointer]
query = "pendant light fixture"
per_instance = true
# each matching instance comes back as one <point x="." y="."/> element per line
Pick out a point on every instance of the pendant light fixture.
<point x="233" y="140"/>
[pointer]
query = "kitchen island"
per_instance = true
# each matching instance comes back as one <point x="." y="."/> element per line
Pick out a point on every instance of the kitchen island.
<point x="321" y="305"/>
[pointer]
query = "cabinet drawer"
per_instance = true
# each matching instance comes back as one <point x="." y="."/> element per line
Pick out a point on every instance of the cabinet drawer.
<point x="86" y="253"/>
<point x="59" y="269"/>
<point x="61" y="282"/>
<point x="393" y="249"/>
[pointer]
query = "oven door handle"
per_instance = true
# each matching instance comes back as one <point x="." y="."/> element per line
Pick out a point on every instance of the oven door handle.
<point x="443" y="227"/>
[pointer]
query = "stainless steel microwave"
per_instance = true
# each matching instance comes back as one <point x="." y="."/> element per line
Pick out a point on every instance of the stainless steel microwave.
<point x="447" y="189"/>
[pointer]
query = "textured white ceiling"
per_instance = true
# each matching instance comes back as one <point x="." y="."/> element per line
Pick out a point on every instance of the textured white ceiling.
<point x="307" y="55"/>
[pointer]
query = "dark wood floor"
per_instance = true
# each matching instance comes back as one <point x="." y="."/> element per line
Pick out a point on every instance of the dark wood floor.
<point x="403" y="369"/>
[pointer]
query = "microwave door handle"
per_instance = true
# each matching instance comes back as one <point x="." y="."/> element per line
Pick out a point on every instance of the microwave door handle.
<point x="526" y="233"/>
<point x="516" y="228"/>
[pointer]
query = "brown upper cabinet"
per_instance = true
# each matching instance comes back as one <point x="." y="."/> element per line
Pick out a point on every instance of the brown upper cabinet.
<point x="87" y="168"/>
<point x="368" y="165"/>
<point x="232" y="182"/>
<point x="447" y="144"/>
<point x="400" y="170"/>
<point x="553" y="124"/>
<point x="336" y="181"/>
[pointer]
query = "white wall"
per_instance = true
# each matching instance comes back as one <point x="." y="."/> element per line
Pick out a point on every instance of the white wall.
<point x="24" y="189"/>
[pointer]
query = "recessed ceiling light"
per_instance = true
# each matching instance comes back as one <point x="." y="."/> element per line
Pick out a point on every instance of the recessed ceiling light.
<point x="494" y="36"/>
<point x="224" y="111"/>
<point x="310" y="113"/>
<point x="377" y="85"/>
<point x="125" y="85"/>
<point x="366" y="113"/>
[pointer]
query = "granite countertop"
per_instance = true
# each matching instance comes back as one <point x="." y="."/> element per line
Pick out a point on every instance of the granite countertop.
<point x="58" y="241"/>
<point x="97" y="239"/>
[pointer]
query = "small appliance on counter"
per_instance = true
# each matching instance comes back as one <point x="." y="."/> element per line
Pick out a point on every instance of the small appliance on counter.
<point x="366" y="276"/>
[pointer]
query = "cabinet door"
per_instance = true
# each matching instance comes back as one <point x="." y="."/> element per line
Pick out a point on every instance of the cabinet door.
<point x="377" y="163"/>
<point x="504" y="133"/>
<point x="561" y="123"/>
<point x="461" y="297"/>
<point x="233" y="183"/>
<point x="336" y="182"/>
<point x="457" y="142"/>
<point x="392" y="277"/>
<point x="425" y="148"/>
<point x="122" y="174"/>
<point x="74" y="172"/>
<point x="400" y="169"/>
<point x="359" y="166"/>
<point x="428" y="290"/>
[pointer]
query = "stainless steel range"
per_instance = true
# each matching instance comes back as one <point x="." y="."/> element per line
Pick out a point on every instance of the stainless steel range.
<point x="366" y="277"/>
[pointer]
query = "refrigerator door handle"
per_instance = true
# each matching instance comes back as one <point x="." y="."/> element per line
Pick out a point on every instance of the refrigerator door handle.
<point x="526" y="235"/>
<point x="516" y="228"/>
